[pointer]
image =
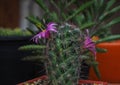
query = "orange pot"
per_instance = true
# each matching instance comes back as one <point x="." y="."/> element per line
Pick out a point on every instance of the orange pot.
<point x="109" y="63"/>
<point x="81" y="82"/>
<point x="44" y="77"/>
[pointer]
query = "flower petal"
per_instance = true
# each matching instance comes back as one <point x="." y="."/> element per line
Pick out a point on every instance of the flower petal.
<point x="45" y="33"/>
<point x="51" y="27"/>
<point x="89" y="44"/>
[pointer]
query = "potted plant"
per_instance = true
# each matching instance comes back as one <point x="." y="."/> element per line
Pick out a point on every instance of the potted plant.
<point x="61" y="51"/>
<point x="65" y="43"/>
<point x="67" y="15"/>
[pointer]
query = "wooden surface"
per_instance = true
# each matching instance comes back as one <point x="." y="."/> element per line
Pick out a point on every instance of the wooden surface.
<point x="9" y="13"/>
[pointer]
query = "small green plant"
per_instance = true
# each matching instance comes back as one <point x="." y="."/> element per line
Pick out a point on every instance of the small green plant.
<point x="14" y="32"/>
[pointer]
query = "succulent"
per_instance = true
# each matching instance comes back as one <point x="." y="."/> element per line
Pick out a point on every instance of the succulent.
<point x="63" y="47"/>
<point x="64" y="53"/>
<point x="14" y="32"/>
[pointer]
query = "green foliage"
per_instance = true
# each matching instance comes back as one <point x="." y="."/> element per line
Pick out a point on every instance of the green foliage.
<point x="34" y="58"/>
<point x="109" y="38"/>
<point x="101" y="14"/>
<point x="35" y="21"/>
<point x="79" y="9"/>
<point x="61" y="11"/>
<point x="88" y="14"/>
<point x="32" y="47"/>
<point x="14" y="32"/>
<point x="101" y="50"/>
<point x="42" y="5"/>
<point x="96" y="69"/>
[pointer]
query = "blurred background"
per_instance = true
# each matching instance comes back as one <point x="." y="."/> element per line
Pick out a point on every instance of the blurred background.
<point x="13" y="13"/>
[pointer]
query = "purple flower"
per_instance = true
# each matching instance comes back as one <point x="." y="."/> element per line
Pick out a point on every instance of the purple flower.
<point x="51" y="27"/>
<point x="45" y="33"/>
<point x="89" y="44"/>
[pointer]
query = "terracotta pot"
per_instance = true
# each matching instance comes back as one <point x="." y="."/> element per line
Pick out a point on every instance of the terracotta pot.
<point x="109" y="62"/>
<point x="81" y="82"/>
<point x="35" y="79"/>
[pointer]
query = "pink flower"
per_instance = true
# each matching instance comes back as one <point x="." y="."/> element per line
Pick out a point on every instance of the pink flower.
<point x="89" y="44"/>
<point x="45" y="33"/>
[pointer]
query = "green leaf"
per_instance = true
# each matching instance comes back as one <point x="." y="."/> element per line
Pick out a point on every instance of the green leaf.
<point x="80" y="19"/>
<point x="112" y="22"/>
<point x="53" y="56"/>
<point x="55" y="4"/>
<point x="109" y="4"/>
<point x="54" y="17"/>
<point x="35" y="21"/>
<point x="31" y="30"/>
<point x="91" y="10"/>
<point x="84" y="57"/>
<point x="63" y="15"/>
<point x="65" y="74"/>
<point x="89" y="16"/>
<point x="42" y="5"/>
<point x="70" y="2"/>
<point x="15" y="32"/>
<point x="32" y="47"/>
<point x="101" y="2"/>
<point x="69" y="83"/>
<point x="109" y="13"/>
<point x="109" y="38"/>
<point x="96" y="69"/>
<point x="101" y="50"/>
<point x="87" y="25"/>
<point x="98" y="4"/>
<point x="106" y="27"/>
<point x="81" y="8"/>
<point x="34" y="58"/>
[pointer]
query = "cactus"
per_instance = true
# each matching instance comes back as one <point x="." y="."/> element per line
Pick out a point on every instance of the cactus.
<point x="61" y="54"/>
<point x="63" y="58"/>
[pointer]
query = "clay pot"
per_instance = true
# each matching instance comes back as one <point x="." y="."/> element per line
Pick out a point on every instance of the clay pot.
<point x="109" y="62"/>
<point x="81" y="82"/>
